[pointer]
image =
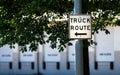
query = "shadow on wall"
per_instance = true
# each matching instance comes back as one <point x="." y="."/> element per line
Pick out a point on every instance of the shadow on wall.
<point x="38" y="74"/>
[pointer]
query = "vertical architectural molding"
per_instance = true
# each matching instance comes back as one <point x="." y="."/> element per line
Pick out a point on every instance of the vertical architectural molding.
<point x="40" y="59"/>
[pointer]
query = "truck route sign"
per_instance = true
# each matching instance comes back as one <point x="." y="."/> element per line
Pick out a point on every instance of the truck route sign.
<point x="80" y="27"/>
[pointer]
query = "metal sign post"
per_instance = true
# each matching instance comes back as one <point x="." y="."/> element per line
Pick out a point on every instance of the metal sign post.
<point x="79" y="28"/>
<point x="78" y="47"/>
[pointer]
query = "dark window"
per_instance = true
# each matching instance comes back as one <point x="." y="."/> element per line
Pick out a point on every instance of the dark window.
<point x="96" y="65"/>
<point x="32" y="65"/>
<point x="19" y="65"/>
<point x="10" y="65"/>
<point x="111" y="65"/>
<point x="68" y="65"/>
<point x="44" y="65"/>
<point x="58" y="65"/>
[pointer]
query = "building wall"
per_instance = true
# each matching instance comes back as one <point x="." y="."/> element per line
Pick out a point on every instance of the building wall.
<point x="47" y="61"/>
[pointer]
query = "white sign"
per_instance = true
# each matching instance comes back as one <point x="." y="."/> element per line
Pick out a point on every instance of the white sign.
<point x="51" y="55"/>
<point x="105" y="46"/>
<point x="27" y="56"/>
<point x="79" y="26"/>
<point x="6" y="54"/>
<point x="117" y="38"/>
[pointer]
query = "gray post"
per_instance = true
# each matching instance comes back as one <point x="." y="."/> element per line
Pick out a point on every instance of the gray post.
<point x="77" y="7"/>
<point x="79" y="44"/>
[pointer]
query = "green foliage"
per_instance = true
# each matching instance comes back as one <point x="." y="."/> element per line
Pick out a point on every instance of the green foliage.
<point x="31" y="21"/>
<point x="25" y="22"/>
<point x="103" y="13"/>
<point x="58" y="33"/>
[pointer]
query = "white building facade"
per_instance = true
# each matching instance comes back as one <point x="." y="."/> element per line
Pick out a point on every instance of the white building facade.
<point x="103" y="58"/>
